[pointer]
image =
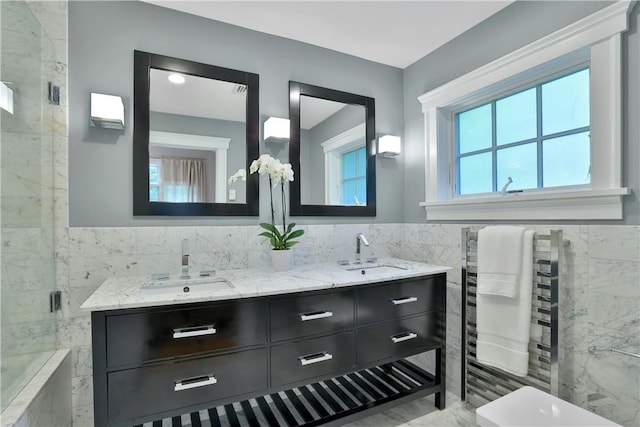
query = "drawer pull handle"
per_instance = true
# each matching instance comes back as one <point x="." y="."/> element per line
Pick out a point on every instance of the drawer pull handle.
<point x="315" y="358"/>
<point x="194" y="332"/>
<point x="194" y="382"/>
<point x="406" y="336"/>
<point x="398" y="301"/>
<point x="315" y="315"/>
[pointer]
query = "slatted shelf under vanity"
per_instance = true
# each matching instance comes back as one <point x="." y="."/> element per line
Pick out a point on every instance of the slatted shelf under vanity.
<point x="328" y="402"/>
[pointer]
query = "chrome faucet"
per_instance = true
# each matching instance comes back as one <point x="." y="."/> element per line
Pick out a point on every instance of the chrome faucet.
<point x="185" y="259"/>
<point x="360" y="239"/>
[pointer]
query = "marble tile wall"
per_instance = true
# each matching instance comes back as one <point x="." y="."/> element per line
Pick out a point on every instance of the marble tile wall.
<point x="599" y="309"/>
<point x="601" y="265"/>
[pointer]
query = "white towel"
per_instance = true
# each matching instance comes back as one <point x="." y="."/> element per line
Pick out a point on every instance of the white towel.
<point x="500" y="260"/>
<point x="503" y="323"/>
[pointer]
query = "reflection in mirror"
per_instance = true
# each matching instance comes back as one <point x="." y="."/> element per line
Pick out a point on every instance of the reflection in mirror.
<point x="195" y="125"/>
<point x="332" y="145"/>
<point x="333" y="161"/>
<point x="196" y="137"/>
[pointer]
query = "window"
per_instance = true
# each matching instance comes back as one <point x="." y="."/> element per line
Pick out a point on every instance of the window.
<point x="354" y="177"/>
<point x="154" y="180"/>
<point x="345" y="161"/>
<point x="534" y="138"/>
<point x="529" y="116"/>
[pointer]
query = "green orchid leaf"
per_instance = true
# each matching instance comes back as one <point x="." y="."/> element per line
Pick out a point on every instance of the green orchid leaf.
<point x="267" y="226"/>
<point x="290" y="227"/>
<point x="290" y="243"/>
<point x="267" y="235"/>
<point x="295" y="234"/>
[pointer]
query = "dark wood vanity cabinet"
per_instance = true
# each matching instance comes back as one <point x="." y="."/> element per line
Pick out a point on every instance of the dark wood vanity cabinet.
<point x="157" y="362"/>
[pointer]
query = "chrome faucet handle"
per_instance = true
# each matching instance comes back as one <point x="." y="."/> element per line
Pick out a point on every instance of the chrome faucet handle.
<point x="185" y="259"/>
<point x="363" y="239"/>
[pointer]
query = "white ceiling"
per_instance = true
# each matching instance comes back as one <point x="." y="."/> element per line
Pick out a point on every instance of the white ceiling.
<point x="395" y="33"/>
<point x="208" y="98"/>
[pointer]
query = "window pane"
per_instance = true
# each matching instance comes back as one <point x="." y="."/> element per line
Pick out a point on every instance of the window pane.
<point x="474" y="129"/>
<point x="349" y="192"/>
<point x="349" y="165"/>
<point x="361" y="161"/>
<point x="521" y="164"/>
<point x="516" y="117"/>
<point x="154" y="194"/>
<point x="566" y="160"/>
<point x="362" y="191"/>
<point x="153" y="173"/>
<point x="565" y="103"/>
<point x="475" y="174"/>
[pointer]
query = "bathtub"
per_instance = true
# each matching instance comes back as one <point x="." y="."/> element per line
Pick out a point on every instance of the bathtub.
<point x="46" y="399"/>
<point x="529" y="406"/>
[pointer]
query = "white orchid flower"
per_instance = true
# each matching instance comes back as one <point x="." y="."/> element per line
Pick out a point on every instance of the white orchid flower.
<point x="262" y="164"/>
<point x="240" y="175"/>
<point x="287" y="172"/>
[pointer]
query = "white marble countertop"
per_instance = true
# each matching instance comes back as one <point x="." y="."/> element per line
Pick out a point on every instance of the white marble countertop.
<point x="124" y="292"/>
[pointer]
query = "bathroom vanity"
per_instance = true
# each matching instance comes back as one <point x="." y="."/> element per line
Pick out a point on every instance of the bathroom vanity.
<point x="315" y="345"/>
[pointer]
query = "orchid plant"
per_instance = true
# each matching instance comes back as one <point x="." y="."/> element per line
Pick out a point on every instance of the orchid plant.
<point x="278" y="174"/>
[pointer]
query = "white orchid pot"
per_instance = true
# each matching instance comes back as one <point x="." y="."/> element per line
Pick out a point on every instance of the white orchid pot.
<point x="281" y="260"/>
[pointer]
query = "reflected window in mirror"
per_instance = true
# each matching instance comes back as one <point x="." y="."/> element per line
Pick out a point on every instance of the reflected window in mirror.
<point x="332" y="143"/>
<point x="195" y="126"/>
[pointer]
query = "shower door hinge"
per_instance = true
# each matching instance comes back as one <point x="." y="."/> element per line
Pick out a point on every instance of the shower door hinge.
<point x="55" y="301"/>
<point x="54" y="94"/>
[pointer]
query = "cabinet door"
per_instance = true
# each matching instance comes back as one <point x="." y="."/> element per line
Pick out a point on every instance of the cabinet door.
<point x="301" y="316"/>
<point x="143" y="337"/>
<point x="397" y="338"/>
<point x="397" y="299"/>
<point x="147" y="390"/>
<point x="315" y="357"/>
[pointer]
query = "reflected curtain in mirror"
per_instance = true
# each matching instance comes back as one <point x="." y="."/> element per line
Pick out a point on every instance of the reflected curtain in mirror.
<point x="194" y="125"/>
<point x="179" y="180"/>
<point x="332" y="135"/>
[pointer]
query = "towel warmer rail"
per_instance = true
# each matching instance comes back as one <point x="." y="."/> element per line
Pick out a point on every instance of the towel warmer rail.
<point x="482" y="384"/>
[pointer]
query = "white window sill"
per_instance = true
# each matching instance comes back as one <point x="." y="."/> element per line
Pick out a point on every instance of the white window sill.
<point x="560" y="205"/>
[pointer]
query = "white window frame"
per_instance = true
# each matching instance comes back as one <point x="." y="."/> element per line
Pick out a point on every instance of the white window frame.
<point x="596" y="39"/>
<point x="333" y="149"/>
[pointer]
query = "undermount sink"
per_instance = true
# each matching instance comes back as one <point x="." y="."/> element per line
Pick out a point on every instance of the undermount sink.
<point x="374" y="268"/>
<point x="184" y="286"/>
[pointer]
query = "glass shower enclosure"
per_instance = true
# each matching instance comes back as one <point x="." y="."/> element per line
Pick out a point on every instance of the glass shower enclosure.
<point x="28" y="327"/>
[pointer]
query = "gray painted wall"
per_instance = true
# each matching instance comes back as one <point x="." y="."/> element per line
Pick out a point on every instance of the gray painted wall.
<point x="514" y="27"/>
<point x="102" y="38"/>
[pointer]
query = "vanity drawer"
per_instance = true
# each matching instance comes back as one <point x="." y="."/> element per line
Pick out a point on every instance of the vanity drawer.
<point x="302" y="316"/>
<point x="141" y="337"/>
<point x="311" y="358"/>
<point x="399" y="299"/>
<point x="397" y="338"/>
<point x="147" y="390"/>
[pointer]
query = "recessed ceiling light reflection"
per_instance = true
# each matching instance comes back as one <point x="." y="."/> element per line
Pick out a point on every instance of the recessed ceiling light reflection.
<point x="176" y="79"/>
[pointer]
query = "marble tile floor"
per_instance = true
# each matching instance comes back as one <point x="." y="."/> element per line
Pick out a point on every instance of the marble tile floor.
<point x="421" y="413"/>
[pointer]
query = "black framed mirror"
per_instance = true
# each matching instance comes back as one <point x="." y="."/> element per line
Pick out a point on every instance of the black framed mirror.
<point x="332" y="151"/>
<point x="195" y="126"/>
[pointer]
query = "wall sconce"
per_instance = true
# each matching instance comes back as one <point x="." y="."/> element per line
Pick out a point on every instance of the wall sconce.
<point x="107" y="111"/>
<point x="389" y="146"/>
<point x="276" y="130"/>
<point x="6" y="98"/>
